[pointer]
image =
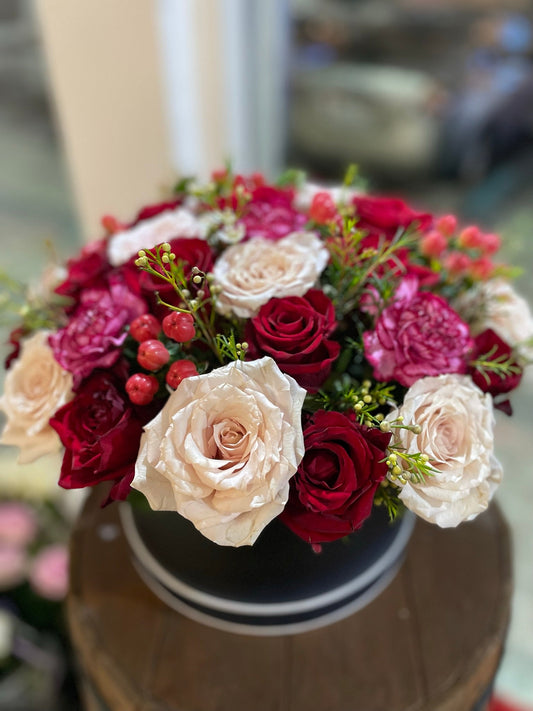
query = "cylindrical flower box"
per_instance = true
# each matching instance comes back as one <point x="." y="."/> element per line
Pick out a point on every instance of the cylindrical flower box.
<point x="277" y="586"/>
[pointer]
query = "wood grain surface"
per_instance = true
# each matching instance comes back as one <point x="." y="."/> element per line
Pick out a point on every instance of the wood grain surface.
<point x="431" y="642"/>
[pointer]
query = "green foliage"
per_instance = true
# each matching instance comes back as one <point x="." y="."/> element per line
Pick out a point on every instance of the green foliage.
<point x="388" y="495"/>
<point x="502" y="366"/>
<point x="291" y="178"/>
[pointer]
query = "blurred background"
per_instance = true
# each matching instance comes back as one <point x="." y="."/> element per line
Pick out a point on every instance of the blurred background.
<point x="103" y="104"/>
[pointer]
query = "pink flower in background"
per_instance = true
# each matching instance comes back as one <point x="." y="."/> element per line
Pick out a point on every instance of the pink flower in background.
<point x="12" y="565"/>
<point x="18" y="524"/>
<point x="49" y="572"/>
<point x="417" y="335"/>
<point x="93" y="336"/>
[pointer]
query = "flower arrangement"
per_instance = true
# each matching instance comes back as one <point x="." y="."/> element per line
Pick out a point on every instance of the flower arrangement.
<point x="247" y="351"/>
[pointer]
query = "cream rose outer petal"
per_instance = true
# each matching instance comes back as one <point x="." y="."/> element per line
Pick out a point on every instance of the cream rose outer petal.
<point x="149" y="233"/>
<point x="223" y="449"/>
<point x="457" y="422"/>
<point x="250" y="274"/>
<point x="36" y="386"/>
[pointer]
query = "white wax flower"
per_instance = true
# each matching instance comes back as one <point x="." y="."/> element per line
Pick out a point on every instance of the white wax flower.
<point x="223" y="448"/>
<point x="36" y="386"/>
<point x="250" y="274"/>
<point x="168" y="225"/>
<point x="457" y="421"/>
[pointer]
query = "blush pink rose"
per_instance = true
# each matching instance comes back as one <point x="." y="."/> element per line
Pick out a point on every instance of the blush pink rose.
<point x="417" y="335"/>
<point x="93" y="336"/>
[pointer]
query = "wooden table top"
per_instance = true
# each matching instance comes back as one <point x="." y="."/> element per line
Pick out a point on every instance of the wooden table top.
<point x="430" y="642"/>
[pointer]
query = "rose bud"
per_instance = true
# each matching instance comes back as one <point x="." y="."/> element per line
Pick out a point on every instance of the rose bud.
<point x="179" y="326"/>
<point x="145" y="327"/>
<point x="179" y="370"/>
<point x="152" y="354"/>
<point x="322" y="208"/>
<point x="141" y="388"/>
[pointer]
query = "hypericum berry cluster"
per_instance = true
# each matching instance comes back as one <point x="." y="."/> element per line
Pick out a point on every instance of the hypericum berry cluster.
<point x="468" y="253"/>
<point x="153" y="355"/>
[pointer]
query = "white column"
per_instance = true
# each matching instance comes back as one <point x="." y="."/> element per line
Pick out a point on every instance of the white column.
<point x="225" y="69"/>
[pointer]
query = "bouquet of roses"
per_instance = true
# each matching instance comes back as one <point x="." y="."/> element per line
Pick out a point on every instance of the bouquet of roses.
<point x="247" y="351"/>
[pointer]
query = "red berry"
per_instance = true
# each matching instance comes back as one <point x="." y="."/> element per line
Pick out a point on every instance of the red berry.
<point x="471" y="237"/>
<point x="141" y="388"/>
<point x="481" y="268"/>
<point x="433" y="244"/>
<point x="144" y="327"/>
<point x="457" y="263"/>
<point x="322" y="209"/>
<point x="446" y="225"/>
<point x="179" y="370"/>
<point x="179" y="326"/>
<point x="491" y="243"/>
<point x="152" y="355"/>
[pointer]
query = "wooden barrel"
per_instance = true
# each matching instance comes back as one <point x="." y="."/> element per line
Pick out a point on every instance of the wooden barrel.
<point x="431" y="642"/>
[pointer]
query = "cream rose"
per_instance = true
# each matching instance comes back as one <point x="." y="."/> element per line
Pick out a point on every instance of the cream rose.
<point x="36" y="386"/>
<point x="495" y="304"/>
<point x="508" y="314"/>
<point x="148" y="233"/>
<point x="250" y="274"/>
<point x="222" y="450"/>
<point x="457" y="422"/>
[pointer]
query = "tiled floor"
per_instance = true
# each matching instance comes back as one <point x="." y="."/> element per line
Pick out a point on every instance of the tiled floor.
<point x="36" y="206"/>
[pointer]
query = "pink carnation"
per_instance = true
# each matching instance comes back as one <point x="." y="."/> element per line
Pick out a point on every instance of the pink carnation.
<point x="270" y="214"/>
<point x="49" y="572"/>
<point x="93" y="336"/>
<point x="417" y="335"/>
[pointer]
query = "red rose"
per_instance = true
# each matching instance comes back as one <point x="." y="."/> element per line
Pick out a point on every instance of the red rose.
<point x="153" y="210"/>
<point x="386" y="215"/>
<point x="333" y="490"/>
<point x="294" y="332"/>
<point x="100" y="431"/>
<point x="88" y="271"/>
<point x="489" y="346"/>
<point x="270" y="214"/>
<point x="15" y="337"/>
<point x="417" y="335"/>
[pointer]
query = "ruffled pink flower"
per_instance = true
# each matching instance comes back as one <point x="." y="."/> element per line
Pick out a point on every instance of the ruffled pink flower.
<point x="18" y="523"/>
<point x="49" y="572"/>
<point x="270" y="214"/>
<point x="417" y="335"/>
<point x="95" y="332"/>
